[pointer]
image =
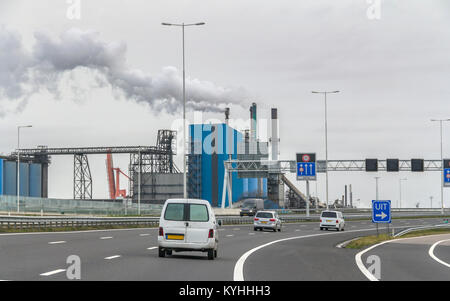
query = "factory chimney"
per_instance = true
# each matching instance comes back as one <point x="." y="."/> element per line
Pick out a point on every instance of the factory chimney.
<point x="275" y="141"/>
<point x="227" y="115"/>
<point x="253" y="123"/>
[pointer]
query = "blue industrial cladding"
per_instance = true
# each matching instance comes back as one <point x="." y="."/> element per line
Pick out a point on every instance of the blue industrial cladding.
<point x="35" y="175"/>
<point x="9" y="178"/>
<point x="30" y="178"/>
<point x="209" y="149"/>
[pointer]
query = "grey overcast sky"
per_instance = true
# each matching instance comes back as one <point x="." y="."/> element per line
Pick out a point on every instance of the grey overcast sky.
<point x="389" y="59"/>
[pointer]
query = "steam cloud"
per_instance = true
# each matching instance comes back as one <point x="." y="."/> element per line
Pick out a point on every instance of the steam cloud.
<point x="24" y="72"/>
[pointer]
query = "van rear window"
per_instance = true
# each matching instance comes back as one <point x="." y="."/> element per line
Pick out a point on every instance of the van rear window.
<point x="329" y="214"/>
<point x="198" y="213"/>
<point x="186" y="212"/>
<point x="174" y="212"/>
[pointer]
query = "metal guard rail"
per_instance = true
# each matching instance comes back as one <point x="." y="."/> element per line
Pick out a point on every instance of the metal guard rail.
<point x="24" y="222"/>
<point x="48" y="222"/>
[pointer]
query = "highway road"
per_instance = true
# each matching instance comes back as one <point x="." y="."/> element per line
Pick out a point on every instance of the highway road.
<point x="414" y="259"/>
<point x="300" y="252"/>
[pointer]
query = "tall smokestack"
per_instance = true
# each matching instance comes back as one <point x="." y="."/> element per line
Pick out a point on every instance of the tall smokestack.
<point x="227" y="115"/>
<point x="345" y="203"/>
<point x="274" y="138"/>
<point x="253" y="123"/>
<point x="351" y="196"/>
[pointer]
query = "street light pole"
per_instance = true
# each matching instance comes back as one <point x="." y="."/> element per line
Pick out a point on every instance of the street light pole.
<point x="376" y="188"/>
<point x="400" y="188"/>
<point x="182" y="25"/>
<point x="326" y="139"/>
<point x="18" y="163"/>
<point x="442" y="164"/>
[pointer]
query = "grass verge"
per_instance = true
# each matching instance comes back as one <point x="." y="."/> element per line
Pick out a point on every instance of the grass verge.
<point x="368" y="241"/>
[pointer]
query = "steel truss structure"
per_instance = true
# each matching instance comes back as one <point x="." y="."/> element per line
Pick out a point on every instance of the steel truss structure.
<point x="267" y="168"/>
<point x="150" y="159"/>
<point x="160" y="161"/>
<point x="284" y="166"/>
<point x="82" y="184"/>
<point x="360" y="165"/>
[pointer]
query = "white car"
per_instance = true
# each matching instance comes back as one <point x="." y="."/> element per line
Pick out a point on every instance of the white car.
<point x="332" y="220"/>
<point x="267" y="220"/>
<point x="188" y="225"/>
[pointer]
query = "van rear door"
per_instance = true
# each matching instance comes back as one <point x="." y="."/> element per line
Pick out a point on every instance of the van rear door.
<point x="174" y="222"/>
<point x="329" y="217"/>
<point x="199" y="223"/>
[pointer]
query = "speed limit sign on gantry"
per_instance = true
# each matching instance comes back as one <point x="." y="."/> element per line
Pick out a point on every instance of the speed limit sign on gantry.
<point x="306" y="166"/>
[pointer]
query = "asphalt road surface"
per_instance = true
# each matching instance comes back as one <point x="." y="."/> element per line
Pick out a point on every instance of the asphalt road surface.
<point x="299" y="252"/>
<point x="410" y="258"/>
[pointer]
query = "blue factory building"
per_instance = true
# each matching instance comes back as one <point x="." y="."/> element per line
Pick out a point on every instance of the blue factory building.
<point x="31" y="183"/>
<point x="210" y="146"/>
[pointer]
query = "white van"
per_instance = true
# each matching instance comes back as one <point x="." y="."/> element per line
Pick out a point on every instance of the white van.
<point x="188" y="225"/>
<point x="332" y="220"/>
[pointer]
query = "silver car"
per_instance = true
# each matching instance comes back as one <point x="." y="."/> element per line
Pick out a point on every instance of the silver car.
<point x="267" y="220"/>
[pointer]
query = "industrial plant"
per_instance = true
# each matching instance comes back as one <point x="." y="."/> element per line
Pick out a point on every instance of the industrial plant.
<point x="152" y="175"/>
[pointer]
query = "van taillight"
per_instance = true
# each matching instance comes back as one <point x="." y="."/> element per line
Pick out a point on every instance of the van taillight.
<point x="320" y="220"/>
<point x="161" y="231"/>
<point x="211" y="233"/>
<point x="256" y="219"/>
<point x="337" y="221"/>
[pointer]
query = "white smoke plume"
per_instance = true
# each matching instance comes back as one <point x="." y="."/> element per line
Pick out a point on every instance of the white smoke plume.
<point x="23" y="72"/>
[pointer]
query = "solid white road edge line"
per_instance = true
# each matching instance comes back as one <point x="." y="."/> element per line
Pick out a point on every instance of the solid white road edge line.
<point x="238" y="274"/>
<point x="53" y="272"/>
<point x="362" y="267"/>
<point x="431" y="253"/>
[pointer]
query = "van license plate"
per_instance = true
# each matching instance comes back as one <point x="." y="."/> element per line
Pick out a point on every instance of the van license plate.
<point x="175" y="237"/>
<point x="329" y="221"/>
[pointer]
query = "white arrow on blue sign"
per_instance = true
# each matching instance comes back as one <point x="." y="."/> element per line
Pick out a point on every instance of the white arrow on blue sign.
<point x="381" y="211"/>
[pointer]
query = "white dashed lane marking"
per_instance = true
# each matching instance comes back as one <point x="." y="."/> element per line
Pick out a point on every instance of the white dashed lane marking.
<point x="106" y="237"/>
<point x="53" y="272"/>
<point x="57" y="242"/>
<point x="112" y="257"/>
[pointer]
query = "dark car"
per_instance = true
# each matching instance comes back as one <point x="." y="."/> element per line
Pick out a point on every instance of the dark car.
<point x="251" y="206"/>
